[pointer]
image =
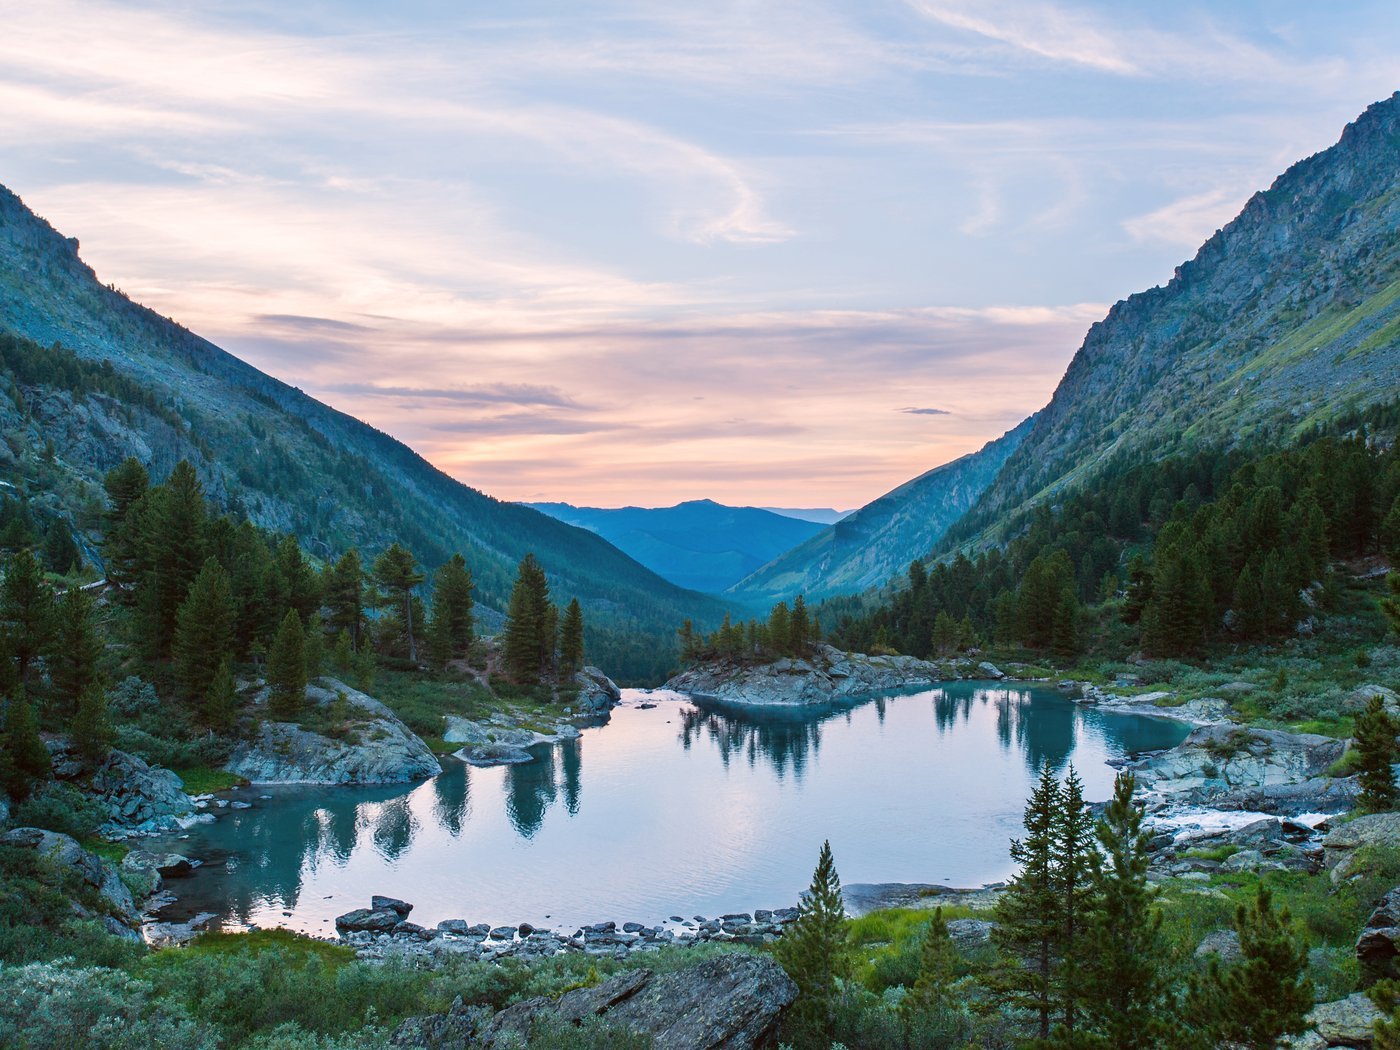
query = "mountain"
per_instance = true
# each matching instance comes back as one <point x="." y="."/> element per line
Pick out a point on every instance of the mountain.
<point x="698" y="544"/>
<point x="866" y="548"/>
<point x="1286" y="318"/>
<point x="143" y="385"/>
<point x="821" y="515"/>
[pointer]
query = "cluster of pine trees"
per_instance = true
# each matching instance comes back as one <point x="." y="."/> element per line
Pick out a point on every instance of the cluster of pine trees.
<point x="1082" y="962"/>
<point x="1196" y="550"/>
<point x="537" y="646"/>
<point x="786" y="632"/>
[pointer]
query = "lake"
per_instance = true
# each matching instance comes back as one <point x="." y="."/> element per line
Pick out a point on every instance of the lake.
<point x="685" y="807"/>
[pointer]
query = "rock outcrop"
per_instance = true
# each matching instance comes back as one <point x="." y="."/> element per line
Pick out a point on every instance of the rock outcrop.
<point x="1347" y="1022"/>
<point x="1378" y="946"/>
<point x="123" y="917"/>
<point x="1346" y="847"/>
<point x="824" y="676"/>
<point x="597" y="693"/>
<point x="139" y="798"/>
<point x="371" y="745"/>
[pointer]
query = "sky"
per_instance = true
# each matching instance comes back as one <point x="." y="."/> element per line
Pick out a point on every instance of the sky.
<point x="618" y="253"/>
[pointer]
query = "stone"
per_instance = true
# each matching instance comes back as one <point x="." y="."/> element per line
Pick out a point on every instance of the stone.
<point x="102" y="876"/>
<point x="455" y="926"/>
<point x="367" y="920"/>
<point x="378" y="749"/>
<point x="1224" y="944"/>
<point x="453" y="1030"/>
<point x="401" y="908"/>
<point x="138" y="797"/>
<point x="732" y="1001"/>
<point x="1376" y="947"/>
<point x="1217" y="759"/>
<point x="1346" y="1022"/>
<point x="990" y="669"/>
<point x="828" y="675"/>
<point x="597" y="693"/>
<point x="503" y="933"/>
<point x="525" y="929"/>
<point x="1344" y="844"/>
<point x="969" y="934"/>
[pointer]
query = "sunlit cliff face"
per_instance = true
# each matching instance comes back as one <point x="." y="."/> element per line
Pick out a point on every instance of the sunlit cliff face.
<point x="609" y="253"/>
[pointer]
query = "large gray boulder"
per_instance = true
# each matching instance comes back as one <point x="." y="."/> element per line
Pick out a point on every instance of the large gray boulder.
<point x="1376" y="947"/>
<point x="139" y="798"/>
<point x="597" y="693"/>
<point x="1218" y="759"/>
<point x="731" y="1001"/>
<point x="376" y="747"/>
<point x="64" y="851"/>
<point x="1345" y="847"/>
<point x="825" y="675"/>
<point x="1347" y="1022"/>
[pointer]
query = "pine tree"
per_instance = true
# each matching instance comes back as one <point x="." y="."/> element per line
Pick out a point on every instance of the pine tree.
<point x="344" y="596"/>
<point x="1072" y="856"/>
<point x="93" y="735"/>
<point x="688" y="643"/>
<point x="173" y="525"/>
<point x="28" y="759"/>
<point x="571" y="640"/>
<point x="1390" y="606"/>
<point x="221" y="701"/>
<point x="126" y="486"/>
<point x="26" y="613"/>
<point x="1126" y="995"/>
<point x="452" y="623"/>
<point x="937" y="965"/>
<point x="1029" y="920"/>
<point x="314" y="650"/>
<point x="203" y="630"/>
<point x="799" y="626"/>
<point x="780" y="628"/>
<point x="945" y="634"/>
<point x="1375" y="746"/>
<point x="343" y="655"/>
<point x="1266" y="994"/>
<point x="814" y="951"/>
<point x="75" y="650"/>
<point x="61" y="554"/>
<point x="1064" y="636"/>
<point x="297" y="584"/>
<point x="286" y="670"/>
<point x="396" y="574"/>
<point x="527" y="622"/>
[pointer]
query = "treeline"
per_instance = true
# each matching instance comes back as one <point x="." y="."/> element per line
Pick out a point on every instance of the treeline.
<point x="786" y="632"/>
<point x="1194" y="550"/>
<point x="1079" y="956"/>
<point x="191" y="596"/>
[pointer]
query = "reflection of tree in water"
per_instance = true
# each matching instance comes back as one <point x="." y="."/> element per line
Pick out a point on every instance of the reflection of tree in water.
<point x="394" y="826"/>
<point x="949" y="709"/>
<point x="530" y="789"/>
<point x="571" y="761"/>
<point x="452" y="797"/>
<point x="1044" y="733"/>
<point x="783" y="737"/>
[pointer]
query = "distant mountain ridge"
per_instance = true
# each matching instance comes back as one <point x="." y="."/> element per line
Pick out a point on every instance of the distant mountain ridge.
<point x="820" y="515"/>
<point x="699" y="544"/>
<point x="1287" y="316"/>
<point x="866" y="548"/>
<point x="268" y="450"/>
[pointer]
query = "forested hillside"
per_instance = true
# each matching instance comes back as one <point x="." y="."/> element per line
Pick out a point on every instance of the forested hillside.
<point x="92" y="378"/>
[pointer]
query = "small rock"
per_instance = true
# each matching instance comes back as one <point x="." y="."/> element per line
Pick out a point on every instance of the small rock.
<point x="1222" y="943"/>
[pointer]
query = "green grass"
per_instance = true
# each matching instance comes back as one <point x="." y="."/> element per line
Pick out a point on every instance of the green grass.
<point x="1215" y="853"/>
<point x="107" y="850"/>
<point x="205" y="780"/>
<point x="297" y="947"/>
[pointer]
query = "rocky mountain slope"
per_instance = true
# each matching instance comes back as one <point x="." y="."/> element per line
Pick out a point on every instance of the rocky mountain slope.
<point x="699" y="544"/>
<point x="882" y="538"/>
<point x="288" y="461"/>
<point x="1285" y="317"/>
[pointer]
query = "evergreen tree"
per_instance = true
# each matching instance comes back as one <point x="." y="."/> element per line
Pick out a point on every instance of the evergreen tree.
<point x="26" y="614"/>
<point x="75" y="650"/>
<point x="1266" y="994"/>
<point x="1029" y="923"/>
<point x="528" y="623"/>
<point x="203" y="630"/>
<point x="93" y="734"/>
<point x="571" y="639"/>
<point x="343" y="655"/>
<point x="1064" y="637"/>
<point x="937" y="966"/>
<point x="452" y="606"/>
<point x="1390" y="606"/>
<point x="221" y="701"/>
<point x="396" y="574"/>
<point x="61" y="554"/>
<point x="815" y="953"/>
<point x="1127" y="998"/>
<point x="344" y="596"/>
<point x="1375" y="746"/>
<point x="286" y="670"/>
<point x="1175" y="620"/>
<point x="945" y="634"/>
<point x="780" y="628"/>
<point x="28" y="760"/>
<point x="689" y="644"/>
<point x="297" y="584"/>
<point x="1072" y="856"/>
<point x="173" y="523"/>
<point x="314" y="651"/>
<point x="126" y="486"/>
<point x="799" y="626"/>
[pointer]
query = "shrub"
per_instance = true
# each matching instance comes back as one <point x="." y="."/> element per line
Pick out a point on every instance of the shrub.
<point x="61" y="807"/>
<point x="133" y="697"/>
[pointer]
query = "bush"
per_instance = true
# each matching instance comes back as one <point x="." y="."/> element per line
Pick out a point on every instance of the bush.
<point x="37" y="921"/>
<point x="133" y="697"/>
<point x="61" y="807"/>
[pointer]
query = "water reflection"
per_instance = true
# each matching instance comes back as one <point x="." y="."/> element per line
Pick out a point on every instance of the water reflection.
<point x="783" y="736"/>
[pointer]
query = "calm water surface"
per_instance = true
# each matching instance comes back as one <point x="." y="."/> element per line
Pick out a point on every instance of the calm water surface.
<point x="682" y="808"/>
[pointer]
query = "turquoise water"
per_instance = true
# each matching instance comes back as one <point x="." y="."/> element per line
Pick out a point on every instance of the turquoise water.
<point x="683" y="808"/>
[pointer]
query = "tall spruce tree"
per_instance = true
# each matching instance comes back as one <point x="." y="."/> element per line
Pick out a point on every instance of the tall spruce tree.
<point x="286" y="670"/>
<point x="571" y="640"/>
<point x="1265" y="995"/>
<point x="397" y="576"/>
<point x="452" y="627"/>
<point x="529" y="630"/>
<point x="204" y="631"/>
<point x="1072" y="858"/>
<point x="73" y="655"/>
<point x="1390" y="606"/>
<point x="1029" y="922"/>
<point x="298" y="585"/>
<point x="26" y="614"/>
<point x="221" y="699"/>
<point x="126" y="485"/>
<point x="27" y="759"/>
<point x="173" y="524"/>
<point x="1127" y="996"/>
<point x="93" y="734"/>
<point x="314" y="648"/>
<point x="1375" y="734"/>
<point x="815" y="952"/>
<point x="344" y="596"/>
<point x="938" y="959"/>
<point x="799" y="626"/>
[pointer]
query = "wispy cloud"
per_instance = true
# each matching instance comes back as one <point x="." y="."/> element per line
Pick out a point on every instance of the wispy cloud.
<point x="926" y="411"/>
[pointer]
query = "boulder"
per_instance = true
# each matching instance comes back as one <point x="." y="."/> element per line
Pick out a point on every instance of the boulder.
<point x="1346" y="1022"/>
<point x="990" y="669"/>
<point x="731" y="1001"/>
<point x="377" y="747"/>
<point x="1217" y="759"/>
<point x="1224" y="944"/>
<point x="393" y="904"/>
<point x="367" y="920"/>
<point x="1358" y="698"/>
<point x="1376" y="947"/>
<point x="1344" y="847"/>
<point x="139" y="797"/>
<point x="453" y="1030"/>
<point x="597" y="693"/>
<point x="494" y="755"/>
<point x="970" y="934"/>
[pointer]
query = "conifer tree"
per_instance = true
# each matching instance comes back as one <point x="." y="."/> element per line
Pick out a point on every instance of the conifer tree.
<point x="1391" y="606"/>
<point x="799" y="626"/>
<point x="93" y="734"/>
<point x="945" y="634"/>
<point x="687" y="640"/>
<point x="937" y="965"/>
<point x="203" y="630"/>
<point x="298" y="586"/>
<point x="780" y="628"/>
<point x="314" y="650"/>
<point x="344" y="596"/>
<point x="452" y="609"/>
<point x="221" y="701"/>
<point x="126" y="486"/>
<point x="343" y="654"/>
<point x="571" y="639"/>
<point x="173" y="524"/>
<point x="396" y="574"/>
<point x="1266" y="994"/>
<point x="28" y="760"/>
<point x="26" y="613"/>
<point x="1127" y="998"/>
<point x="286" y="670"/>
<point x="75" y="650"/>
<point x="1029" y="921"/>
<point x="529" y="632"/>
<point x="1072" y="856"/>
<point x="60" y="552"/>
<point x="1375" y="746"/>
<point x="814" y="950"/>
